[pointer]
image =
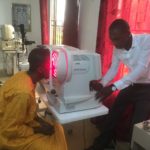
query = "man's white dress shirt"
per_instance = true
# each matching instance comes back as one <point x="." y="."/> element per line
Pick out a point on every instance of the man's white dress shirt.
<point x="137" y="59"/>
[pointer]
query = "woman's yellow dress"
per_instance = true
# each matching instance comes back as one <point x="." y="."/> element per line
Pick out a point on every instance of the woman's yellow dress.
<point x="17" y="113"/>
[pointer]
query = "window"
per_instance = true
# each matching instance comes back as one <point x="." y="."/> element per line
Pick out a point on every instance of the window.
<point x="57" y="10"/>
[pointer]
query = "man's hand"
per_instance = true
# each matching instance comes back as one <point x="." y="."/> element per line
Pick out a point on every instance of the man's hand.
<point x="95" y="85"/>
<point x="45" y="128"/>
<point x="104" y="93"/>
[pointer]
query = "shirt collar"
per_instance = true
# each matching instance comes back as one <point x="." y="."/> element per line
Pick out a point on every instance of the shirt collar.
<point x="134" y="42"/>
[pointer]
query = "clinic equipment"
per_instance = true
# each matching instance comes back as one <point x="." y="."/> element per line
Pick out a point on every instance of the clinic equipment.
<point x="14" y="48"/>
<point x="8" y="40"/>
<point x="71" y="70"/>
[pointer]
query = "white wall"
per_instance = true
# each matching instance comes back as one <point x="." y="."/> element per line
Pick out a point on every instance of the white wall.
<point x="88" y="24"/>
<point x="88" y="21"/>
<point x="6" y="17"/>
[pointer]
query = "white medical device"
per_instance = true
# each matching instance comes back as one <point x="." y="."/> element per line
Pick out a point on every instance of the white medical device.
<point x="9" y="42"/>
<point x="70" y="73"/>
<point x="8" y="32"/>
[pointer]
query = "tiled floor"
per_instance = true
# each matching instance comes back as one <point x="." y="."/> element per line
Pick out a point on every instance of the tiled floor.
<point x="122" y="145"/>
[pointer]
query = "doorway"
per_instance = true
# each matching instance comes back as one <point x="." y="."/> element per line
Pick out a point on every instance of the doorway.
<point x="57" y="11"/>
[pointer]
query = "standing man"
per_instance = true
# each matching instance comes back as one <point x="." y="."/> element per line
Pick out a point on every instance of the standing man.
<point x="20" y="127"/>
<point x="134" y="52"/>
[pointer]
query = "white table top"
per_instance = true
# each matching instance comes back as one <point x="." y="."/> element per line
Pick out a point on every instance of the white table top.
<point x="140" y="137"/>
<point x="75" y="116"/>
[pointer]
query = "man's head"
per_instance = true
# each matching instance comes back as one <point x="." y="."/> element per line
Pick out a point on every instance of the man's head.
<point x="119" y="33"/>
<point x="39" y="61"/>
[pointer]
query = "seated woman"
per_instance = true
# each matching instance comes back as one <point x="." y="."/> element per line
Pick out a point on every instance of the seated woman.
<point x="20" y="128"/>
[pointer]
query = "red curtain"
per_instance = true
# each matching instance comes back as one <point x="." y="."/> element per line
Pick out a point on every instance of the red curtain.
<point x="44" y="21"/>
<point x="108" y="12"/>
<point x="70" y="32"/>
<point x="136" y="12"/>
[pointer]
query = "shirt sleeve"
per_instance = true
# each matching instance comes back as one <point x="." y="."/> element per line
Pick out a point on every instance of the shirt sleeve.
<point x="141" y="68"/>
<point x="15" y="116"/>
<point x="112" y="71"/>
